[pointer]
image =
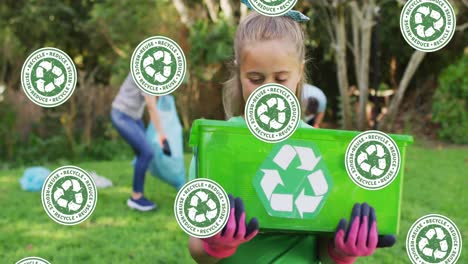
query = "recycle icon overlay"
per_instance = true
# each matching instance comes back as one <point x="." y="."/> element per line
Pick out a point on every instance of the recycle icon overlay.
<point x="158" y="66"/>
<point x="202" y="208"/>
<point x="272" y="113"/>
<point x="428" y="22"/>
<point x="434" y="243"/>
<point x="48" y="77"/>
<point x="69" y="195"/>
<point x="293" y="181"/>
<point x="373" y="160"/>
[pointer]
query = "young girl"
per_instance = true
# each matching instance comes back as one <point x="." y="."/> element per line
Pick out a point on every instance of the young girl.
<point x="126" y="116"/>
<point x="271" y="50"/>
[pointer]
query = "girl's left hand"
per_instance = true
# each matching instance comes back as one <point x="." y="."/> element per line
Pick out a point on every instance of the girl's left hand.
<point x="360" y="238"/>
<point x="236" y="232"/>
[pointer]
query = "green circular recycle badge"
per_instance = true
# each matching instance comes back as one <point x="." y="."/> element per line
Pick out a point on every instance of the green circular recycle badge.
<point x="69" y="195"/>
<point x="293" y="181"/>
<point x="272" y="7"/>
<point x="272" y="113"/>
<point x="201" y="208"/>
<point x="48" y="77"/>
<point x="158" y="66"/>
<point x="372" y="160"/>
<point x="427" y="25"/>
<point x="433" y="239"/>
<point x="33" y="260"/>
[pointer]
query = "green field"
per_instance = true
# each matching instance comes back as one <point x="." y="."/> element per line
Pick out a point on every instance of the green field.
<point x="436" y="181"/>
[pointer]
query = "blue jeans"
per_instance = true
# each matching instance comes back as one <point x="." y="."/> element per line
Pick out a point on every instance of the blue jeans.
<point x="133" y="131"/>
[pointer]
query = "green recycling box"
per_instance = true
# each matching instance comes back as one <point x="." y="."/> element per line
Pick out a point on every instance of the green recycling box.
<point x="300" y="184"/>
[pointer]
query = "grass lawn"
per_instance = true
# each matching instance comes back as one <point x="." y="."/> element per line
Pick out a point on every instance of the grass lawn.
<point x="436" y="181"/>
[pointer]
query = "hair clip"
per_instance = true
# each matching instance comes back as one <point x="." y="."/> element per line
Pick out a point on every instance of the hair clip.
<point x="293" y="14"/>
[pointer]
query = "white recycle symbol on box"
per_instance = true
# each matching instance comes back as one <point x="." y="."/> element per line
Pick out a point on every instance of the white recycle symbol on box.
<point x="316" y="178"/>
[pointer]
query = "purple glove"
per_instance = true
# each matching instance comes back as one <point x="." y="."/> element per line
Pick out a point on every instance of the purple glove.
<point x="225" y="243"/>
<point x="361" y="237"/>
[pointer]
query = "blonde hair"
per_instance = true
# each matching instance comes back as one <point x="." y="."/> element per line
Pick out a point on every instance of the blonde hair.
<point x="257" y="27"/>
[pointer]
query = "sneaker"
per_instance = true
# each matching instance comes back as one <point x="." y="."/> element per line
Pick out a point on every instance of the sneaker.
<point x="141" y="204"/>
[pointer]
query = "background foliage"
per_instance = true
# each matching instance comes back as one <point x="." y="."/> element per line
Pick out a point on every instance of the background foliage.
<point x="451" y="102"/>
<point x="100" y="37"/>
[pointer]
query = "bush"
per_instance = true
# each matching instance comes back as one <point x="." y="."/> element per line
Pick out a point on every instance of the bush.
<point x="7" y="124"/>
<point x="450" y="102"/>
<point x="211" y="46"/>
<point x="106" y="149"/>
<point x="39" y="150"/>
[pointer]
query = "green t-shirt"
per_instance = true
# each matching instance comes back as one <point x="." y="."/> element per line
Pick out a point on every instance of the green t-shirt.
<point x="273" y="247"/>
<point x="277" y="248"/>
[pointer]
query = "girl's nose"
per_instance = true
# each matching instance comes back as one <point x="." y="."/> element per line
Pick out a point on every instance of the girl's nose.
<point x="269" y="80"/>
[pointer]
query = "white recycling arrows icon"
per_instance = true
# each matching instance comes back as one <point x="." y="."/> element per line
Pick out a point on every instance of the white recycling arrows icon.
<point x="422" y="13"/>
<point x="73" y="205"/>
<point x="272" y="122"/>
<point x="211" y="212"/>
<point x="315" y="178"/>
<point x="59" y="77"/>
<point x="362" y="160"/>
<point x="149" y="61"/>
<point x="423" y="244"/>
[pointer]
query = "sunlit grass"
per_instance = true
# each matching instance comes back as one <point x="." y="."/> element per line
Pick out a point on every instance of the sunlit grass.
<point x="113" y="234"/>
<point x="435" y="182"/>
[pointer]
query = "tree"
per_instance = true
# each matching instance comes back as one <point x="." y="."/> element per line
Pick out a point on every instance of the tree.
<point x="388" y="120"/>
<point x="210" y="27"/>
<point x="362" y="17"/>
<point x="416" y="58"/>
<point x="361" y="14"/>
<point x="333" y="13"/>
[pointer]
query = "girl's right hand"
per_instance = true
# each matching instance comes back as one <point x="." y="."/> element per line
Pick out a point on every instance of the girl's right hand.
<point x="236" y="232"/>
<point x="361" y="238"/>
<point x="164" y="145"/>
